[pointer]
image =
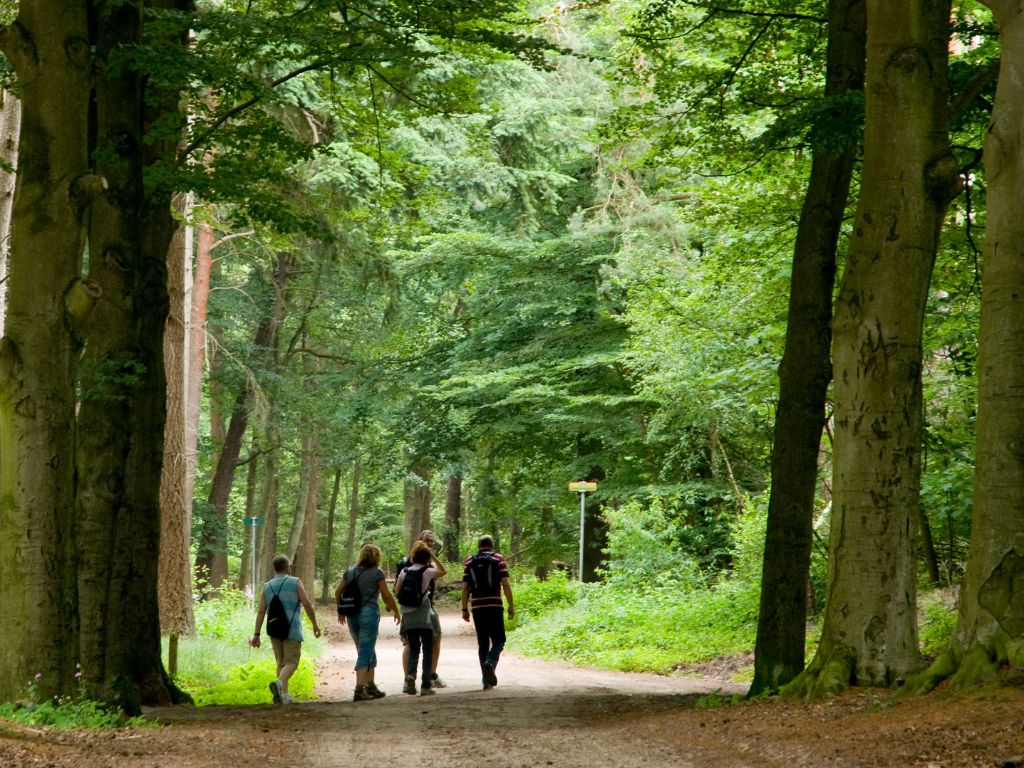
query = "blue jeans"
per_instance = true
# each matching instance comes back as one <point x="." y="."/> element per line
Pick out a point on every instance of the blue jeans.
<point x="364" y="627"/>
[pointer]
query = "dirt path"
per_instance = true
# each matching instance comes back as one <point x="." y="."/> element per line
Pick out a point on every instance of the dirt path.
<point x="544" y="714"/>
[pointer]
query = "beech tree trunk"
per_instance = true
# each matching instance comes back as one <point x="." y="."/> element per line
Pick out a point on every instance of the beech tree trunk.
<point x="990" y="627"/>
<point x="804" y="376"/>
<point x="48" y="305"/>
<point x="123" y="410"/>
<point x="416" y="504"/>
<point x="869" y="635"/>
<point x="10" y="131"/>
<point x="328" y="577"/>
<point x="353" y="513"/>
<point x="453" y="518"/>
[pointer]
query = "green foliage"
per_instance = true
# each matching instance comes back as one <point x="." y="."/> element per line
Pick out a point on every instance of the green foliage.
<point x="535" y="598"/>
<point x="937" y="621"/>
<point x="65" y="712"/>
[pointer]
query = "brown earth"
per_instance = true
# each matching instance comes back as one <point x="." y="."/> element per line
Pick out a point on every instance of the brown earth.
<point x="546" y="714"/>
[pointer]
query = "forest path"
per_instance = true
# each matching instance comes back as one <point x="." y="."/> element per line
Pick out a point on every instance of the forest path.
<point x="543" y="714"/>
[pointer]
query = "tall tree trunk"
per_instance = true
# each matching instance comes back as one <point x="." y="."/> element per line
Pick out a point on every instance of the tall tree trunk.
<point x="416" y="504"/>
<point x="10" y="131"/>
<point x="246" y="573"/>
<point x="195" y="363"/>
<point x="453" y="518"/>
<point x="212" y="554"/>
<point x="327" y="585"/>
<point x="302" y="503"/>
<point x="174" y="586"/>
<point x="306" y="553"/>
<point x="869" y="635"/>
<point x="990" y="627"/>
<point x="268" y="511"/>
<point x="804" y="376"/>
<point x="353" y="513"/>
<point x="123" y="411"/>
<point x="47" y="306"/>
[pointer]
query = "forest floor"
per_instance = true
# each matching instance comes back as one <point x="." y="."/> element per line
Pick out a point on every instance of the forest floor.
<point x="545" y="714"/>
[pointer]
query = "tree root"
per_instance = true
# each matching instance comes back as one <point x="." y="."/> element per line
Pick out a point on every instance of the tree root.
<point x="821" y="679"/>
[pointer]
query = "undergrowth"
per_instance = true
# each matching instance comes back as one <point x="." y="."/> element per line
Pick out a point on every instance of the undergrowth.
<point x="64" y="712"/>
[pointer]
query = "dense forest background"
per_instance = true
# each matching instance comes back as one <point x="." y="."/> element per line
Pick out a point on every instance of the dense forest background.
<point x="429" y="263"/>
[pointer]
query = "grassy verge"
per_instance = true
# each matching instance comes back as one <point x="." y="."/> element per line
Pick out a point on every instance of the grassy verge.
<point x="218" y="666"/>
<point x="649" y="630"/>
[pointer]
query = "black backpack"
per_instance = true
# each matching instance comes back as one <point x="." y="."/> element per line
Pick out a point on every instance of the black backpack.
<point x="278" y="623"/>
<point x="484" y="575"/>
<point x="410" y="594"/>
<point x="351" y="599"/>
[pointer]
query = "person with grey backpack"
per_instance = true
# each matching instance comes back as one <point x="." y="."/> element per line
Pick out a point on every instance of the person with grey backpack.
<point x="413" y="591"/>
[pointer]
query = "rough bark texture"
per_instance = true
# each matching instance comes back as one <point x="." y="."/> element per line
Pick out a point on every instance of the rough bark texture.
<point x="175" y="569"/>
<point x="990" y="629"/>
<point x="196" y="360"/>
<point x="804" y="376"/>
<point x="122" y="414"/>
<point x="49" y="48"/>
<point x="869" y="635"/>
<point x="10" y="131"/>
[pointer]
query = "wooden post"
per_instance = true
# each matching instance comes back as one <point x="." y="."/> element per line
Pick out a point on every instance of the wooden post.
<point x="172" y="654"/>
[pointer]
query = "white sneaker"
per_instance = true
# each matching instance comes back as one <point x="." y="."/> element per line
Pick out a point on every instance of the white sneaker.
<point x="287" y="698"/>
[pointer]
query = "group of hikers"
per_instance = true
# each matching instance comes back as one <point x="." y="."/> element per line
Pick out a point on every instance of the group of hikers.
<point x="358" y="595"/>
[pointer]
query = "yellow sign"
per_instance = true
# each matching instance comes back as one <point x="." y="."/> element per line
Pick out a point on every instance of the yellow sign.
<point x="583" y="487"/>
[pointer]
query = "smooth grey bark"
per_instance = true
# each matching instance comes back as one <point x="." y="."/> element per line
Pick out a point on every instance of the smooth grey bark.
<point x="327" y="587"/>
<point x="989" y="634"/>
<point x="10" y="131"/>
<point x="48" y="304"/>
<point x="869" y="634"/>
<point x="804" y="376"/>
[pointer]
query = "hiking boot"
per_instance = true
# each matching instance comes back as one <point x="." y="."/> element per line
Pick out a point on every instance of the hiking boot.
<point x="410" y="685"/>
<point x="374" y="691"/>
<point x="426" y="690"/>
<point x="487" y="686"/>
<point x="437" y="682"/>
<point x="275" y="691"/>
<point x="489" y="677"/>
<point x="362" y="694"/>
